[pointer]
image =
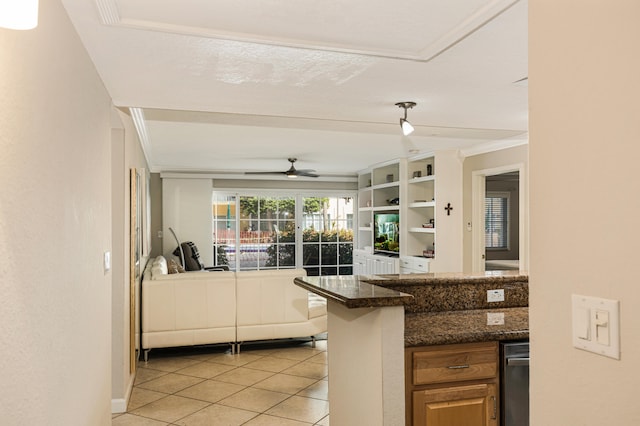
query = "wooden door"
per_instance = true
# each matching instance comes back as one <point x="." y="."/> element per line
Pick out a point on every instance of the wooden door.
<point x="472" y="405"/>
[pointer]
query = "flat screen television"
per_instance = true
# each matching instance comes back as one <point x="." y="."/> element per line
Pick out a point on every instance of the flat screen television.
<point x="386" y="233"/>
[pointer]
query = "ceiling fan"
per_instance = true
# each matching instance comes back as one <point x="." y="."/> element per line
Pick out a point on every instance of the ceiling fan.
<point x="291" y="173"/>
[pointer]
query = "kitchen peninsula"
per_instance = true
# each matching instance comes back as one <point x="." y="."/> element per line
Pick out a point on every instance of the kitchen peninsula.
<point x="374" y="320"/>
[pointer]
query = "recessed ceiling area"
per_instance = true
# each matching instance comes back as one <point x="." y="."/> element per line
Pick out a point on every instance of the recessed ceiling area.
<point x="218" y="86"/>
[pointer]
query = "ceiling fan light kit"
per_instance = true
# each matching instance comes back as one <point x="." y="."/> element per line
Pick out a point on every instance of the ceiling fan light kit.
<point x="407" y="128"/>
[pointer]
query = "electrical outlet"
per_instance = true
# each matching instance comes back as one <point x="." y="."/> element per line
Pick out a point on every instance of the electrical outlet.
<point x="495" y="295"/>
<point x="495" y="318"/>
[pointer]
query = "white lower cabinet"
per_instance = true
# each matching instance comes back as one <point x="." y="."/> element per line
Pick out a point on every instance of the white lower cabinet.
<point x="414" y="265"/>
<point x="365" y="263"/>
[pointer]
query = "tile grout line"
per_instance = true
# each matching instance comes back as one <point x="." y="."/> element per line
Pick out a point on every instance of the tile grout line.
<point x="202" y="362"/>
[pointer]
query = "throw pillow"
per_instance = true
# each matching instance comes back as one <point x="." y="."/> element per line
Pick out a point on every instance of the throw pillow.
<point x="174" y="268"/>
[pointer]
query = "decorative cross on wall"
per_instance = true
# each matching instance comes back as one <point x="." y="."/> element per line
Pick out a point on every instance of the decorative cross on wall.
<point x="448" y="209"/>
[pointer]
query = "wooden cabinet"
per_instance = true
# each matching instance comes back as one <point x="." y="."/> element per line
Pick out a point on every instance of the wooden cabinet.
<point x="452" y="385"/>
<point x="473" y="405"/>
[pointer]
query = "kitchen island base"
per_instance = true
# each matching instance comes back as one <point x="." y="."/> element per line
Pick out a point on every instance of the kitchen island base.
<point x="366" y="365"/>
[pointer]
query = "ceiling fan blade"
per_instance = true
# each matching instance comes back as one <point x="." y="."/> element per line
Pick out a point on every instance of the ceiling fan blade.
<point x="305" y="170"/>
<point x="265" y="173"/>
<point x="306" y="173"/>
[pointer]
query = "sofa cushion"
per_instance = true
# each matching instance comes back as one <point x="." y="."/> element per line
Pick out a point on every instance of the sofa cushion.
<point x="317" y="306"/>
<point x="270" y="297"/>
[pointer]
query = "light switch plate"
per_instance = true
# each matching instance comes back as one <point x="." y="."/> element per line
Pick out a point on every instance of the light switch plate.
<point x="107" y="261"/>
<point x="596" y="325"/>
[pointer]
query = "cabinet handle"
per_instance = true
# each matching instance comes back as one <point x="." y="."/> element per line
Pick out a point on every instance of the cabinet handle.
<point x="495" y="408"/>
<point x="458" y="367"/>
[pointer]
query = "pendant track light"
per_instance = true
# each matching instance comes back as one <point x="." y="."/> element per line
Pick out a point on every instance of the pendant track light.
<point x="18" y="14"/>
<point x="407" y="128"/>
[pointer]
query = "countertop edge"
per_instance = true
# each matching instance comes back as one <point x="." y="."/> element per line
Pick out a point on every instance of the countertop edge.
<point x="399" y="299"/>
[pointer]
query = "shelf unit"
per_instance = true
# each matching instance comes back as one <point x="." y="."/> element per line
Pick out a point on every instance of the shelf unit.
<point x="423" y="197"/>
<point x="419" y="214"/>
<point x="376" y="187"/>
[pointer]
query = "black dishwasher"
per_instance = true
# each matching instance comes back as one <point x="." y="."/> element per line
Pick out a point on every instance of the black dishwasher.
<point x="514" y="383"/>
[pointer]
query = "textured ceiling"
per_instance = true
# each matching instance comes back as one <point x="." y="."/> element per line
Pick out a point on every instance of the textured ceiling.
<point x="224" y="86"/>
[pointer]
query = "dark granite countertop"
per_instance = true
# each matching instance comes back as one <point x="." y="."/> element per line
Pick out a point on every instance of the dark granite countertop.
<point x="443" y="278"/>
<point x="440" y="308"/>
<point x="353" y="292"/>
<point x="479" y="325"/>
<point x="457" y="292"/>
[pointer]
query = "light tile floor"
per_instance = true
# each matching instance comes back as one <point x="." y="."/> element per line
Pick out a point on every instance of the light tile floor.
<point x="282" y="383"/>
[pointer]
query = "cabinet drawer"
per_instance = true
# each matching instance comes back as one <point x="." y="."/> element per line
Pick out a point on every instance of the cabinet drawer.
<point x="454" y="363"/>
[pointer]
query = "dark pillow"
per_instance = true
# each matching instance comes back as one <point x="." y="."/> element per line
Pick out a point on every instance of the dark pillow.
<point x="191" y="256"/>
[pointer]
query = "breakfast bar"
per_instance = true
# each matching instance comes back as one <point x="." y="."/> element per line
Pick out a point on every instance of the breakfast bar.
<point x="373" y="319"/>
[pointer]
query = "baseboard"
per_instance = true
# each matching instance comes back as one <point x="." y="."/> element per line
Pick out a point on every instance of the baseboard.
<point x="119" y="405"/>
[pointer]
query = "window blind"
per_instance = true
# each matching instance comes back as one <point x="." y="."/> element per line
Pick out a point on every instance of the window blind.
<point x="496" y="226"/>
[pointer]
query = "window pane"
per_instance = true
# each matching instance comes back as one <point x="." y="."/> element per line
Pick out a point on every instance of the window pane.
<point x="313" y="272"/>
<point x="329" y="271"/>
<point x="310" y="235"/>
<point x="287" y="255"/>
<point x="330" y="236"/>
<point x="346" y="253"/>
<point x="310" y="254"/>
<point x="287" y="209"/>
<point x="329" y="254"/>
<point x="248" y="207"/>
<point x="224" y="214"/>
<point x="345" y="270"/>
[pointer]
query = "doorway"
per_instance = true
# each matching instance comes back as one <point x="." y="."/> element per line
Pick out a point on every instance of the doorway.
<point x="501" y="224"/>
<point x="499" y="207"/>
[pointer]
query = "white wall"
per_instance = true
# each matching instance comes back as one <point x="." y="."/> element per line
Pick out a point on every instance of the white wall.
<point x="55" y="224"/>
<point x="491" y="160"/>
<point x="187" y="208"/>
<point x="585" y="204"/>
<point x="448" y="171"/>
<point x="126" y="153"/>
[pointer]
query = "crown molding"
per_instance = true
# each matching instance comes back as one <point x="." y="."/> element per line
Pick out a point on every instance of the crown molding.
<point x="493" y="146"/>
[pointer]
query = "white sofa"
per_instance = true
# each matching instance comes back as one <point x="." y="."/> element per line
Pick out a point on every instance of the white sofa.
<point x="197" y="308"/>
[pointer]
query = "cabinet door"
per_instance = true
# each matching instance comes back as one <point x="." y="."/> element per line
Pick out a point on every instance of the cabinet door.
<point x="473" y="405"/>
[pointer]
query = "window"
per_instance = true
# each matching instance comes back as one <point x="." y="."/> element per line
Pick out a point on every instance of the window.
<point x="275" y="232"/>
<point x="496" y="213"/>
<point x="327" y="236"/>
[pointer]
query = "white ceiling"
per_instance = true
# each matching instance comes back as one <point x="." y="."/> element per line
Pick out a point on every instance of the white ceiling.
<point x="232" y="86"/>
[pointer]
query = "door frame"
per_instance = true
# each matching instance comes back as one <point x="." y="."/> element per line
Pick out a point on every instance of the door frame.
<point x="478" y="193"/>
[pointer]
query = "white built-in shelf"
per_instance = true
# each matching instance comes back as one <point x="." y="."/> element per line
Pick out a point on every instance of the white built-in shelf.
<point x="422" y="179"/>
<point x="365" y="209"/>
<point x="386" y="185"/>
<point x="423" y="230"/>
<point x="384" y="208"/>
<point x="422" y="204"/>
<point x="364" y="228"/>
